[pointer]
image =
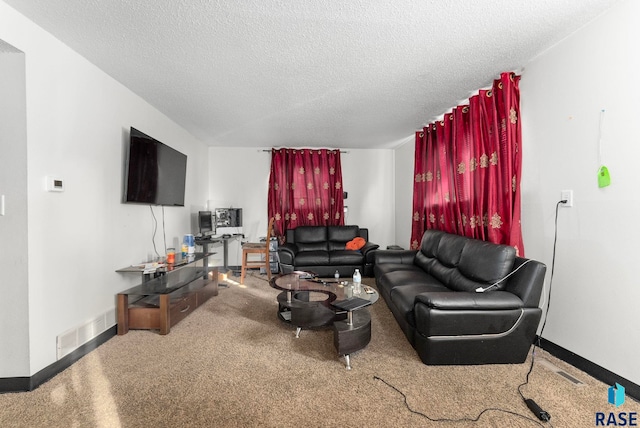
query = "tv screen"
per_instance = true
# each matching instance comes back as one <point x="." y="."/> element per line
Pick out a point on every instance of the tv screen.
<point x="155" y="173"/>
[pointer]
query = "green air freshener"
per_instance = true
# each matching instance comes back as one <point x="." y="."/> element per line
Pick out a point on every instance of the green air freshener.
<point x="603" y="177"/>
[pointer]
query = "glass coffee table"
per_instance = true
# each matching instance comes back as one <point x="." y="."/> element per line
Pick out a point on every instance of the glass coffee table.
<point x="307" y="302"/>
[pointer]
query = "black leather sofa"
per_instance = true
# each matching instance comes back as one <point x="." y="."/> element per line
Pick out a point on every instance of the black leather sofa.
<point x="321" y="250"/>
<point x="432" y="294"/>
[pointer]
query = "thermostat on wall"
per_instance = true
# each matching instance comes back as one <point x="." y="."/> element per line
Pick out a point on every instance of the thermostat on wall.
<point x="54" y="184"/>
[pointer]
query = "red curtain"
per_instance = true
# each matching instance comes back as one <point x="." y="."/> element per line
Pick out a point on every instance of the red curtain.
<point x="468" y="169"/>
<point x="305" y="188"/>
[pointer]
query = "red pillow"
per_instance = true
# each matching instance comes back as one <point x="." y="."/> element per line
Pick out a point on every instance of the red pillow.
<point x="356" y="243"/>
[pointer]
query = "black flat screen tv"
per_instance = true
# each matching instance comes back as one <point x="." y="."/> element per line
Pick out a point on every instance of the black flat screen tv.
<point x="155" y="174"/>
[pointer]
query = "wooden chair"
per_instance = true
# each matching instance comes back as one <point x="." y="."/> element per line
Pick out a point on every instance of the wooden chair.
<point x="260" y="248"/>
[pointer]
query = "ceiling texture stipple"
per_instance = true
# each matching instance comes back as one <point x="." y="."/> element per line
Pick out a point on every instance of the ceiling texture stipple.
<point x="312" y="73"/>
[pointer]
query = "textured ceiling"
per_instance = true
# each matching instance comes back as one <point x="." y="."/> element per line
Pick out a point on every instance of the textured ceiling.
<point x="314" y="73"/>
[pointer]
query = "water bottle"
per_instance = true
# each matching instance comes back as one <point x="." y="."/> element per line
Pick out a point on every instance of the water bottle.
<point x="336" y="275"/>
<point x="357" y="288"/>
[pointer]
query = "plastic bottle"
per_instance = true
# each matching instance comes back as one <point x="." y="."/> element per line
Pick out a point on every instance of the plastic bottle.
<point x="357" y="279"/>
<point x="336" y="275"/>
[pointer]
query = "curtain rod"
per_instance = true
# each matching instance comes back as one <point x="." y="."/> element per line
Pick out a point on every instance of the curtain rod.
<point x="308" y="148"/>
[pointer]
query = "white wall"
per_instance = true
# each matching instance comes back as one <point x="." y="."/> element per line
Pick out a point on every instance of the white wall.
<point x="595" y="288"/>
<point x="14" y="334"/>
<point x="404" y="167"/>
<point x="239" y="177"/>
<point x="369" y="178"/>
<point x="77" y="128"/>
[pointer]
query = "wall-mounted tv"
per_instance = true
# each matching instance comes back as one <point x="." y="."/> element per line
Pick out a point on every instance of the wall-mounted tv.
<point x="155" y="174"/>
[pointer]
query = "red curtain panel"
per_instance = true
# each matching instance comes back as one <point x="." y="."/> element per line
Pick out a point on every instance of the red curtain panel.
<point x="468" y="169"/>
<point x="305" y="188"/>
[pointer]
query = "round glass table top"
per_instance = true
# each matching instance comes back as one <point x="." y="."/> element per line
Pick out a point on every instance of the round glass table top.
<point x="342" y="290"/>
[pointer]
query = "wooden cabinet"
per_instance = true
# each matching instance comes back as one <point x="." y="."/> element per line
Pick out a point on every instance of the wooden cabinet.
<point x="162" y="302"/>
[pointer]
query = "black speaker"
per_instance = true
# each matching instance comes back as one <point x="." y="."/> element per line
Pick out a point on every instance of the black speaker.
<point x="205" y="222"/>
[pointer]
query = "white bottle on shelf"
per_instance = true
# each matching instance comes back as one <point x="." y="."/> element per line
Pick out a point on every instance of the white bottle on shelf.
<point x="357" y="279"/>
<point x="336" y="275"/>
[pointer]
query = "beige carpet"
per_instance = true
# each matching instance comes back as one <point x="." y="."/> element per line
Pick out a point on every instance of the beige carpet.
<point x="232" y="363"/>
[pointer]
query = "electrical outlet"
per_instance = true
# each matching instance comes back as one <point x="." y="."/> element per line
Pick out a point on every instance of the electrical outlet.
<point x="567" y="195"/>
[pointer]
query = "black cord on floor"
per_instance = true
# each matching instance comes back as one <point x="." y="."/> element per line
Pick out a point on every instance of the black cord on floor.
<point x="476" y="419"/>
<point x="546" y="313"/>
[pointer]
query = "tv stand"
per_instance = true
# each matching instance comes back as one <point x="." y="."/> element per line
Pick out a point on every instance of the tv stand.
<point x="161" y="302"/>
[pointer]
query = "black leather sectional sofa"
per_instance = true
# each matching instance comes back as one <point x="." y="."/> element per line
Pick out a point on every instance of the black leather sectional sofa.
<point x="321" y="250"/>
<point x="432" y="294"/>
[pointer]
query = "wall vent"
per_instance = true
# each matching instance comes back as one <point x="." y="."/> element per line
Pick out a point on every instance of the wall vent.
<point x="72" y="339"/>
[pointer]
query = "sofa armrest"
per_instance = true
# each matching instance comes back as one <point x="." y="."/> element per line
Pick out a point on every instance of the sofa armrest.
<point x="527" y="281"/>
<point x="395" y="256"/>
<point x="287" y="253"/>
<point x="461" y="300"/>
<point x="368" y="248"/>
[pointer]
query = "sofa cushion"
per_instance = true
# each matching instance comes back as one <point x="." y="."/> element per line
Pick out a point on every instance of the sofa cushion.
<point x="338" y="236"/>
<point x="404" y="276"/>
<point x="459" y="282"/>
<point x="430" y="241"/>
<point x="381" y="269"/>
<point x="439" y="253"/>
<point x="450" y="249"/>
<point x="427" y="256"/>
<point x="486" y="262"/>
<point x="312" y="258"/>
<point x="311" y="238"/>
<point x="498" y="300"/>
<point x="345" y="257"/>
<point x="424" y="262"/>
<point x="342" y="233"/>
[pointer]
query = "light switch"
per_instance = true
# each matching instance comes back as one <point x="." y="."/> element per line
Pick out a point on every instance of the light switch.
<point x="1" y="204"/>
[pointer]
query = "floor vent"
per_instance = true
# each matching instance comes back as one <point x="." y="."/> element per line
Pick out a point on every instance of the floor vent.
<point x="561" y="372"/>
<point x="569" y="377"/>
<point x="72" y="339"/>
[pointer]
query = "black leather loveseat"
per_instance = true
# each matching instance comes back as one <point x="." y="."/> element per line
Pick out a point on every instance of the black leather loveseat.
<point x="432" y="294"/>
<point x="321" y="250"/>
